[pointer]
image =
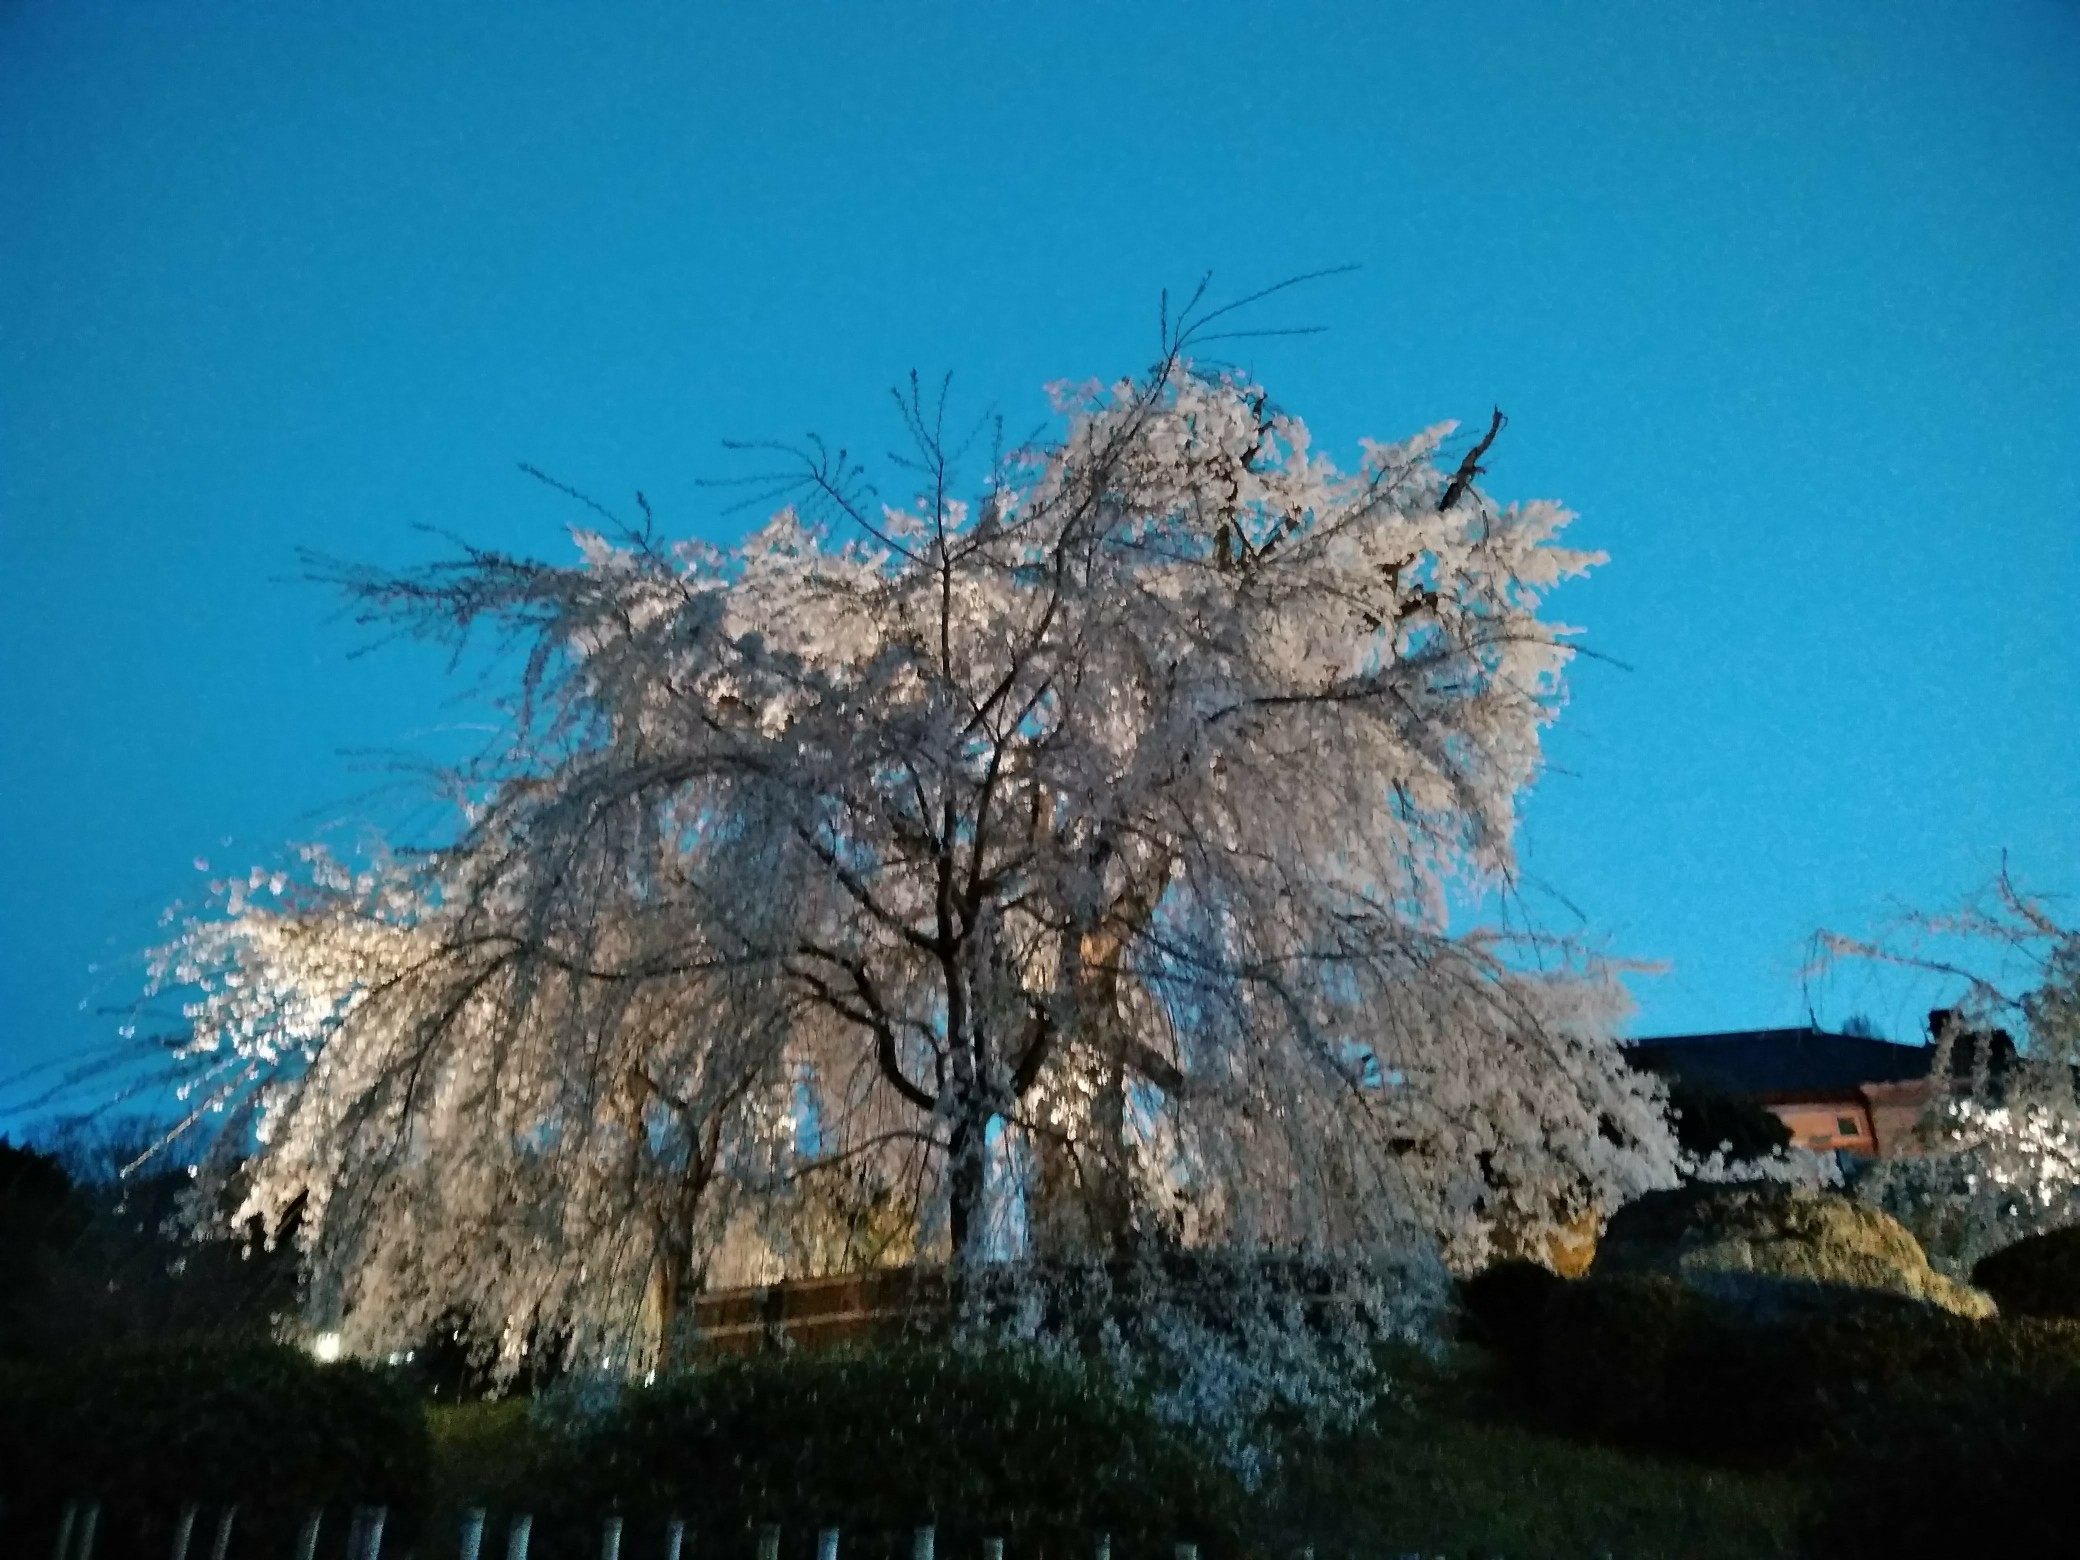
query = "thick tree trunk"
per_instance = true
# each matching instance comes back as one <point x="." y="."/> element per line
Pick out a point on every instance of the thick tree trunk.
<point x="967" y="1186"/>
<point x="1083" y="1201"/>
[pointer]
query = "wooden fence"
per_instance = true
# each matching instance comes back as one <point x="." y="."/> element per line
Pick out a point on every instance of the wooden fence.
<point x="814" y="1313"/>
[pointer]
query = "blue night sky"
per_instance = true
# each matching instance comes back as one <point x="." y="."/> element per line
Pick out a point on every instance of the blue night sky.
<point x="1783" y="299"/>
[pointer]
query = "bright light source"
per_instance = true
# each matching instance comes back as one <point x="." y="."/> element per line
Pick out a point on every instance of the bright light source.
<point x="325" y="1347"/>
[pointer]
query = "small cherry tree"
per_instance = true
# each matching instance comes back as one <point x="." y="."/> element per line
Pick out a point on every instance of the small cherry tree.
<point x="1071" y="854"/>
<point x="2000" y="1140"/>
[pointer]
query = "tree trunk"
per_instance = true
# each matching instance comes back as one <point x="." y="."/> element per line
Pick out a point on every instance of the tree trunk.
<point x="967" y="1172"/>
<point x="672" y="1289"/>
<point x="677" y="1275"/>
<point x="1083" y="1199"/>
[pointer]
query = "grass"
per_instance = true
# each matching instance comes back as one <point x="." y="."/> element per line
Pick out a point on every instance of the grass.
<point x="1481" y="1490"/>
<point x="1448" y="1470"/>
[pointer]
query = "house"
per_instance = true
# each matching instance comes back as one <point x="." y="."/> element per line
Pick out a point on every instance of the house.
<point x="1855" y="1093"/>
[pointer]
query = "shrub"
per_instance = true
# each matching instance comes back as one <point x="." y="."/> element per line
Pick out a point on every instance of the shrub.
<point x="995" y="1444"/>
<point x="1884" y="1351"/>
<point x="1801" y="1382"/>
<point x="2038" y="1276"/>
<point x="1648" y="1362"/>
<point x="1248" y="1352"/>
<point x="1504" y="1309"/>
<point x="1611" y="1357"/>
<point x="145" y="1430"/>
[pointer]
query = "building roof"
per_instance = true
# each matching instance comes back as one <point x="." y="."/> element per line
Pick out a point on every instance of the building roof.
<point x="1781" y="1064"/>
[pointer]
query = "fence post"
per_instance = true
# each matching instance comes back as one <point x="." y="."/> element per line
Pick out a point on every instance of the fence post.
<point x="516" y="1536"/>
<point x="183" y="1530"/>
<point x="674" y="1538"/>
<point x="610" y="1539"/>
<point x="921" y="1544"/>
<point x="992" y="1549"/>
<point x="66" y="1524"/>
<point x="769" y="1541"/>
<point x="365" y="1536"/>
<point x="307" y="1535"/>
<point x="827" y="1544"/>
<point x="472" y="1532"/>
<point x="222" y="1546"/>
<point x="1104" y="1547"/>
<point x="1187" y="1552"/>
<point x="88" y="1523"/>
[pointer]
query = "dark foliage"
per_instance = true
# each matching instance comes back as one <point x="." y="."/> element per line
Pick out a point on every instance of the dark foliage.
<point x="454" y="1363"/>
<point x="1706" y="1119"/>
<point x="1974" y="1050"/>
<point x="982" y="1445"/>
<point x="146" y="1429"/>
<point x="42" y="1219"/>
<point x="1504" y="1309"/>
<point x="1615" y="1357"/>
<point x="1649" y="1363"/>
<point x="86" y="1265"/>
<point x="2039" y="1276"/>
<point x="33" y="1186"/>
<point x="39" y="1218"/>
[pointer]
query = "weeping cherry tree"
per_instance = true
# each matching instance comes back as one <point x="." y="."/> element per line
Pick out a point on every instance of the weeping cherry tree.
<point x="1068" y="853"/>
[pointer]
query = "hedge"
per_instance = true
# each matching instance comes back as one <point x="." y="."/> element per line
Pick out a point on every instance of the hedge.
<point x="146" y="1429"/>
<point x="1503" y="1309"/>
<point x="1617" y="1358"/>
<point x="1651" y="1363"/>
<point x="982" y="1445"/>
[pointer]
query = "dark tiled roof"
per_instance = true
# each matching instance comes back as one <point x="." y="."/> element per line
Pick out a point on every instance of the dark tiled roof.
<point x="1780" y="1063"/>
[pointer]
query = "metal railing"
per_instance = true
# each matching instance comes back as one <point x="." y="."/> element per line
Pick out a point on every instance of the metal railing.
<point x="200" y="1531"/>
